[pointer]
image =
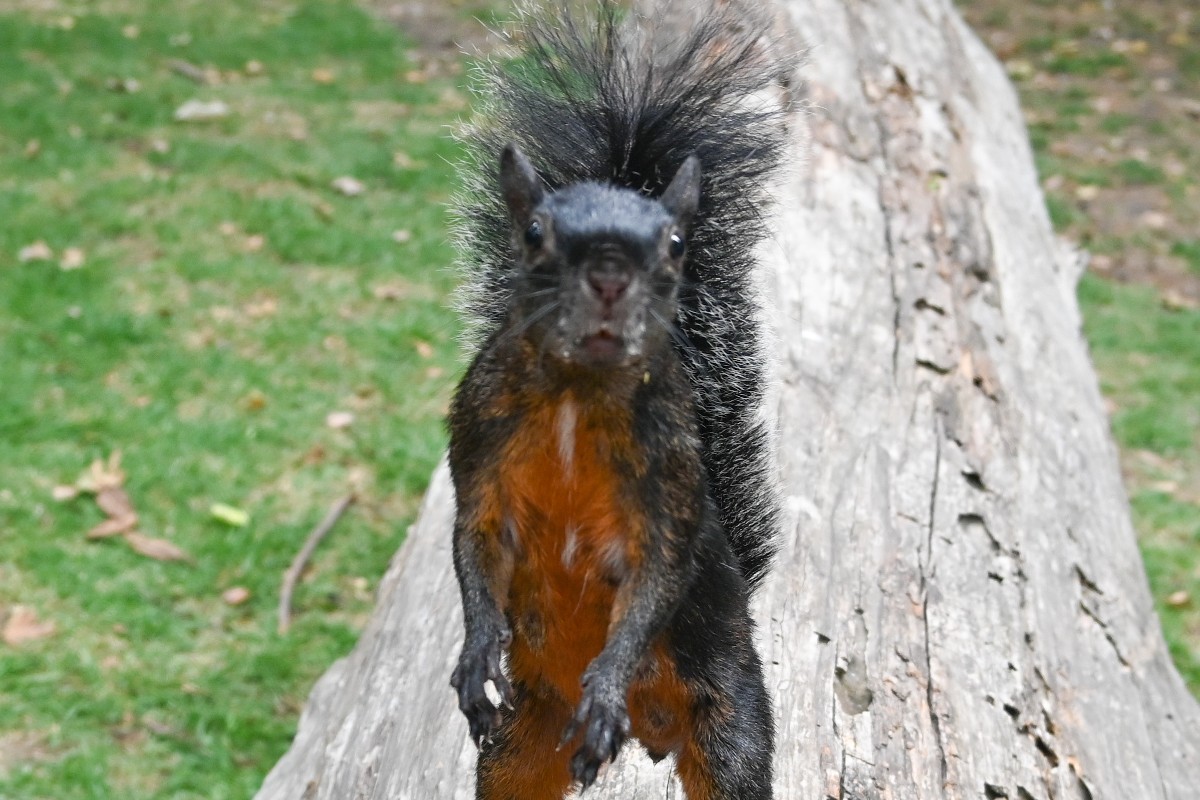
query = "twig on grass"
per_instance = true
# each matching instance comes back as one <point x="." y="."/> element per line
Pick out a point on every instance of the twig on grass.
<point x="292" y="576"/>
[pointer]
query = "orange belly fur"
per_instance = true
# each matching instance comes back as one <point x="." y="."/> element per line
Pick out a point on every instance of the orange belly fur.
<point x="575" y="541"/>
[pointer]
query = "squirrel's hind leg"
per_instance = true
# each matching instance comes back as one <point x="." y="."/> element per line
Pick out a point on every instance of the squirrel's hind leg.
<point x="522" y="761"/>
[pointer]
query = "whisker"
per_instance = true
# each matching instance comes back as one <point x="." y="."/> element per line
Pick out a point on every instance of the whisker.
<point x="538" y="293"/>
<point x="525" y="324"/>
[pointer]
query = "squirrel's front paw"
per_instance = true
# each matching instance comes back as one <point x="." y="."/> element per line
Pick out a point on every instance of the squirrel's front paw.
<point x="602" y="717"/>
<point x="479" y="663"/>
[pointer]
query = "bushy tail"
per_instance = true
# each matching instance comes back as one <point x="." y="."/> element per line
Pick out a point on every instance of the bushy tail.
<point x="625" y="100"/>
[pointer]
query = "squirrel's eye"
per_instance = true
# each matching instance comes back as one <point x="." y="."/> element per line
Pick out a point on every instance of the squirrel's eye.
<point x="533" y="235"/>
<point x="677" y="246"/>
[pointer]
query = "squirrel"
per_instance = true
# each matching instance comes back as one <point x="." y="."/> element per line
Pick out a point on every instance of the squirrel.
<point x="615" y="503"/>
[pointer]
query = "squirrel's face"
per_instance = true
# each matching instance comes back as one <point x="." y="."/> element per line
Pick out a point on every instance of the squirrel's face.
<point x="599" y="268"/>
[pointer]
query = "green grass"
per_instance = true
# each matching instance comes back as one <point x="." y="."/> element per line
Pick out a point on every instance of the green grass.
<point x="1189" y="251"/>
<point x="210" y="359"/>
<point x="1135" y="172"/>
<point x="1090" y="64"/>
<point x="1114" y="124"/>
<point x="1149" y="362"/>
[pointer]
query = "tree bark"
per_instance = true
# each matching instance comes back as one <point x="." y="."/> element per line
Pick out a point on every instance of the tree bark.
<point x="959" y="609"/>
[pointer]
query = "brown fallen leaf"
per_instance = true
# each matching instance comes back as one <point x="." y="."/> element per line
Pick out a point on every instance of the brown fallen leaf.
<point x="1173" y="300"/>
<point x="254" y="400"/>
<point x="235" y="595"/>
<point x="1179" y="599"/>
<point x="191" y="71"/>
<point x="102" y="474"/>
<point x="63" y="493"/>
<point x="113" y="526"/>
<point x="115" y="502"/>
<point x="424" y="349"/>
<point x="38" y="251"/>
<point x="202" y="111"/>
<point x="323" y="76"/>
<point x="348" y="186"/>
<point x="24" y="626"/>
<point x="158" y="549"/>
<point x="339" y="420"/>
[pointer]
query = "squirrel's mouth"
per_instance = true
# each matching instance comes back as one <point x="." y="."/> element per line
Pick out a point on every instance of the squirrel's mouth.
<point x="603" y="346"/>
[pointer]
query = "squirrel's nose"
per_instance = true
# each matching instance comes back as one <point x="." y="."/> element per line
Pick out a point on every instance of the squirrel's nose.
<point x="608" y="285"/>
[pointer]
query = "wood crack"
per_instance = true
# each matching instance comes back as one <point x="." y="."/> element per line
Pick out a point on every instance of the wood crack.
<point x="926" y="572"/>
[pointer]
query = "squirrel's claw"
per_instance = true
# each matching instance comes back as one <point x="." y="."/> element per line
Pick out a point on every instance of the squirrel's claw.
<point x="602" y="717"/>
<point x="479" y="663"/>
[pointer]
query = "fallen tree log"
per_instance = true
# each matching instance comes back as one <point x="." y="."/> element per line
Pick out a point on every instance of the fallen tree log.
<point x="959" y="609"/>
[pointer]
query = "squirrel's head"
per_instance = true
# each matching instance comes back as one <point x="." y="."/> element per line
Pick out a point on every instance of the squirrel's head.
<point x="599" y="267"/>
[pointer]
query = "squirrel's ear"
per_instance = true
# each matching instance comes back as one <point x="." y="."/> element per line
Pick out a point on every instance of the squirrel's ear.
<point x="682" y="197"/>
<point x="519" y="183"/>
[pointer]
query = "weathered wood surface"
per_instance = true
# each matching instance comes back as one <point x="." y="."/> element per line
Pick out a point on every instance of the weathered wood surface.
<point x="959" y="609"/>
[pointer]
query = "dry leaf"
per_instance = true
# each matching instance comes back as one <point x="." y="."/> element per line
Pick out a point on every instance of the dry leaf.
<point x="191" y="71"/>
<point x="1179" y="599"/>
<point x="24" y="626"/>
<point x="131" y="31"/>
<point x="158" y="549"/>
<point x="114" y="501"/>
<point x="1174" y="300"/>
<point x="323" y="76"/>
<point x="402" y="160"/>
<point x="254" y="67"/>
<point x="339" y="420"/>
<point x="32" y="148"/>
<point x="113" y="526"/>
<point x="64" y="493"/>
<point x="254" y="400"/>
<point x="38" y="251"/>
<point x="201" y="111"/>
<point x="350" y="187"/>
<point x="102" y="475"/>
<point x="235" y="595"/>
<point x="424" y="349"/>
<point x="72" y="258"/>
<point x="254" y="243"/>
